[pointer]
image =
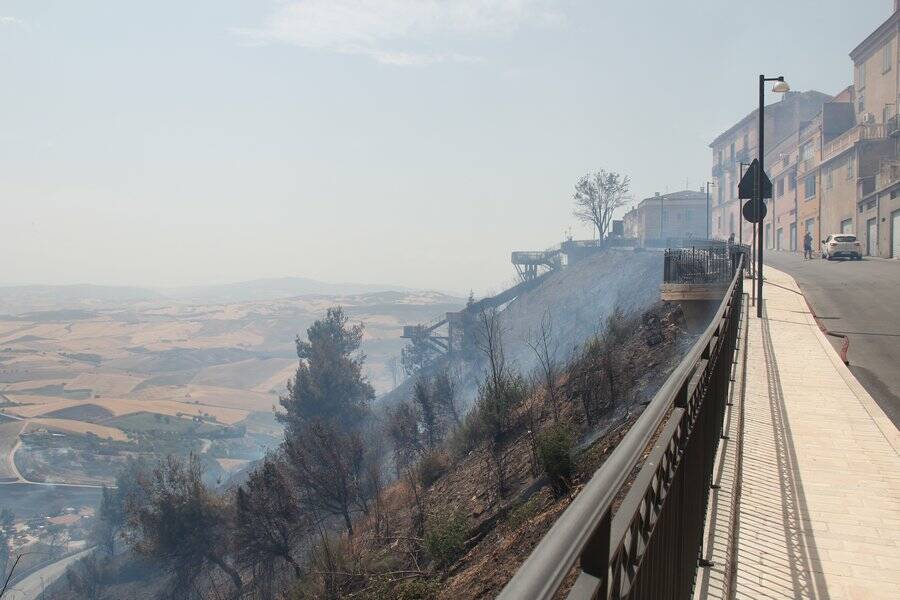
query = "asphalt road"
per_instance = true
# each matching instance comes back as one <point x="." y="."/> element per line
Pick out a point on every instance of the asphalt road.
<point x="32" y="586"/>
<point x="862" y="300"/>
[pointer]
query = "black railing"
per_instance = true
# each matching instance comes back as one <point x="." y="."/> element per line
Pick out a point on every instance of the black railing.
<point x="648" y="548"/>
<point x="711" y="264"/>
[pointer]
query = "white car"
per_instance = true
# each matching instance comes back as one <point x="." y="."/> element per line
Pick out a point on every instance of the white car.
<point x="841" y="244"/>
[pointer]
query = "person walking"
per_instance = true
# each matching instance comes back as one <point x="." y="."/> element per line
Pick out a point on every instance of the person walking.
<point x="807" y="246"/>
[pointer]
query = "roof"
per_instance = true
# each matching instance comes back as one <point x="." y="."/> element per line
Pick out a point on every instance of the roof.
<point x="789" y="99"/>
<point x="871" y="42"/>
<point x="676" y="196"/>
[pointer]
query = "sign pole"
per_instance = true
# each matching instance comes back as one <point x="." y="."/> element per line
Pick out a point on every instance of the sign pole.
<point x="759" y="197"/>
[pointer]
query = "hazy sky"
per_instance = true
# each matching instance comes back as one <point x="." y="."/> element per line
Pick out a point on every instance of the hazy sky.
<point x="414" y="142"/>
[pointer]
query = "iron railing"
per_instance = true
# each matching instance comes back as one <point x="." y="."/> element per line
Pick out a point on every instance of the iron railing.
<point x="650" y="546"/>
<point x="701" y="265"/>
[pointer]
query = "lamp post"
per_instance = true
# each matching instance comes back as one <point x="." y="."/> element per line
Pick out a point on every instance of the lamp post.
<point x="708" y="183"/>
<point x="780" y="87"/>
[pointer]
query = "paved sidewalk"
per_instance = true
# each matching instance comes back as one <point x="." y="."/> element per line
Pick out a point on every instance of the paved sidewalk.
<point x="818" y="484"/>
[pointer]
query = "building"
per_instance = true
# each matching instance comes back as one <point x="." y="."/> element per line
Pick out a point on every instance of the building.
<point x="739" y="144"/>
<point x="661" y="217"/>
<point x="876" y="86"/>
<point x="833" y="161"/>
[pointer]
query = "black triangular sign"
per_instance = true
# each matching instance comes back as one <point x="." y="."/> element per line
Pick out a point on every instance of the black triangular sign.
<point x="748" y="183"/>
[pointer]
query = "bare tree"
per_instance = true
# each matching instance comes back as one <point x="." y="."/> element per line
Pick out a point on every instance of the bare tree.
<point x="546" y="349"/>
<point x="444" y="389"/>
<point x="498" y="395"/>
<point x="597" y="196"/>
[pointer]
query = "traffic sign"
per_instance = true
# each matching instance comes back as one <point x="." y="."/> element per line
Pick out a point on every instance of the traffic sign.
<point x="749" y="211"/>
<point x="748" y="183"/>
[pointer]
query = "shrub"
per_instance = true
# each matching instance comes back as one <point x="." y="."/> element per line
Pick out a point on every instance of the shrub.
<point x="466" y="437"/>
<point x="433" y="464"/>
<point x="445" y="536"/>
<point x="554" y="450"/>
<point x="522" y="513"/>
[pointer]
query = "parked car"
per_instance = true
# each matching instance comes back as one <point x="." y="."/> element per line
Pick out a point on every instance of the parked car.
<point x="841" y="244"/>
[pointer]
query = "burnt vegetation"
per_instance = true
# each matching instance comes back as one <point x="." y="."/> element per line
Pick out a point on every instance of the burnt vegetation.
<point x="420" y="499"/>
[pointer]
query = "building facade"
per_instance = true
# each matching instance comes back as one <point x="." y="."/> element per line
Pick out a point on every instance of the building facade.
<point x="833" y="161"/>
<point x="662" y="217"/>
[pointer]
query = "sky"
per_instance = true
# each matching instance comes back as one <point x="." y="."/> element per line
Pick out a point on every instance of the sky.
<point x="406" y="142"/>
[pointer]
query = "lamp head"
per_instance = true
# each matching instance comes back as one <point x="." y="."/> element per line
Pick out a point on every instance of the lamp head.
<point x="781" y="87"/>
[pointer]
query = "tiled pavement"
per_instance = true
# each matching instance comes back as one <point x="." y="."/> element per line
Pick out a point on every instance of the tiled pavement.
<point x="818" y="484"/>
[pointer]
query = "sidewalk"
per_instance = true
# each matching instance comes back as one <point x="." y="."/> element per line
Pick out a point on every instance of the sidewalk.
<point x="814" y="472"/>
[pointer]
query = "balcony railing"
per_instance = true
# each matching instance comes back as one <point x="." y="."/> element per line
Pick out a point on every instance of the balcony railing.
<point x="718" y="170"/>
<point x="850" y="137"/>
<point x="892" y="126"/>
<point x="649" y="547"/>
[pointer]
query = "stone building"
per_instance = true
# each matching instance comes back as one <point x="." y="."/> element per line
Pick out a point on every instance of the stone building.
<point x="662" y="217"/>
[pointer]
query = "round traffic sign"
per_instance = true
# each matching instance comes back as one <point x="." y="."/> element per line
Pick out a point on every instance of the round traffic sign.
<point x="749" y="211"/>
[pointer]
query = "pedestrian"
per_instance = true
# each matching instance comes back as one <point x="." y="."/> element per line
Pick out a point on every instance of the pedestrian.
<point x="807" y="246"/>
<point x="731" y="238"/>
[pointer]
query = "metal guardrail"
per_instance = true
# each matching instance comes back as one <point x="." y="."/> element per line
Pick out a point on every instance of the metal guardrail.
<point x="650" y="547"/>
<point x="701" y="265"/>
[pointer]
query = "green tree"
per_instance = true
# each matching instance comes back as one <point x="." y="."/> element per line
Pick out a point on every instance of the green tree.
<point x="329" y="383"/>
<point x="269" y="519"/>
<point x="183" y="524"/>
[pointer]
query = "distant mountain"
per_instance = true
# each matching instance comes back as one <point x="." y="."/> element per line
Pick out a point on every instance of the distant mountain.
<point x="20" y="299"/>
<point x="269" y="289"/>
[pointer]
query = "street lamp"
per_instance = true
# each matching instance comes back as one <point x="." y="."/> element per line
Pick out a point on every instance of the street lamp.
<point x="780" y="86"/>
<point x="708" y="183"/>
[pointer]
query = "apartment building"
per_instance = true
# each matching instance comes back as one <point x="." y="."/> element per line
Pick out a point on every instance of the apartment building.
<point x="739" y="144"/>
<point x="876" y="86"/>
<point x="833" y="161"/>
<point x="661" y="217"/>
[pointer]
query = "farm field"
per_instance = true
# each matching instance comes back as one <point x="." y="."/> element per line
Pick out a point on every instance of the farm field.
<point x="151" y="376"/>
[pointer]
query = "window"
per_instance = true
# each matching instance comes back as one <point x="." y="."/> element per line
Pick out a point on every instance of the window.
<point x="809" y="186"/>
<point x="829" y="178"/>
<point x="850" y="168"/>
<point x="732" y="150"/>
<point x="807" y="151"/>
<point x="860" y="104"/>
<point x="720" y="191"/>
<point x="746" y="141"/>
<point x="846" y="227"/>
<point x="792" y="181"/>
<point x="861" y="76"/>
<point x="808" y="225"/>
<point x="779" y="186"/>
<point x="784" y="159"/>
<point x="887" y="57"/>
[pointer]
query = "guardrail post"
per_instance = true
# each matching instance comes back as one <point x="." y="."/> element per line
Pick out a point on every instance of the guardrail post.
<point x="594" y="558"/>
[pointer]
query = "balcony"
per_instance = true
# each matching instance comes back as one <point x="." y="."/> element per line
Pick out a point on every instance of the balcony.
<point x="742" y="156"/>
<point x="718" y="170"/>
<point x="850" y="137"/>
<point x="892" y="126"/>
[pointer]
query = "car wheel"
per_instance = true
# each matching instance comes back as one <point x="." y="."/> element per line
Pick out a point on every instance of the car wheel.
<point x="828" y="257"/>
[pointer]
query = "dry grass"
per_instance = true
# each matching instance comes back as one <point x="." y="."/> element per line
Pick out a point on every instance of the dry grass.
<point x="69" y="426"/>
<point x="105" y="384"/>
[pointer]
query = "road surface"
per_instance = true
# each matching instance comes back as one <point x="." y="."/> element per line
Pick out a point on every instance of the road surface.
<point x="862" y="301"/>
<point x="32" y="586"/>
